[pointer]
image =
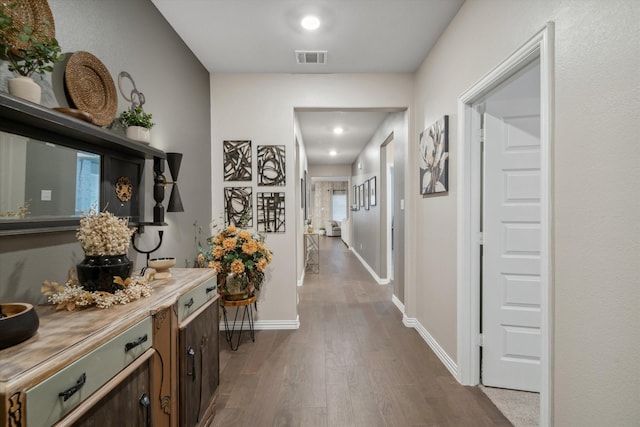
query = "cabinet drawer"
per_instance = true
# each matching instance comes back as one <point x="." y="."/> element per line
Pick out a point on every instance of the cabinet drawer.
<point x="46" y="402"/>
<point x="196" y="297"/>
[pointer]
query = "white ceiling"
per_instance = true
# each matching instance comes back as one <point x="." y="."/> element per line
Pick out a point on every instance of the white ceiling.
<point x="361" y="36"/>
<point x="317" y="132"/>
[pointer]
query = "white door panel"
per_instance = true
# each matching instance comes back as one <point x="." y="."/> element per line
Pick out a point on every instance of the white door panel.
<point x="511" y="253"/>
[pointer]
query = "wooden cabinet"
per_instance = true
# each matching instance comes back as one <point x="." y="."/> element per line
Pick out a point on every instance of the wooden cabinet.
<point x="125" y="403"/>
<point x="198" y="374"/>
<point x="187" y="375"/>
<point x="152" y="362"/>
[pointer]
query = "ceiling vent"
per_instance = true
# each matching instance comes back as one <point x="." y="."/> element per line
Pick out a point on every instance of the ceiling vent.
<point x="311" y="56"/>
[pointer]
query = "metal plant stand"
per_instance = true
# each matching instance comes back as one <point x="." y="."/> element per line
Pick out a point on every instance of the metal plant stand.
<point x="247" y="314"/>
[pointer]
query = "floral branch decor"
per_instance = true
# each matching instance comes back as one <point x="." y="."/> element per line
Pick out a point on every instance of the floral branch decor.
<point x="240" y="257"/>
<point x="72" y="295"/>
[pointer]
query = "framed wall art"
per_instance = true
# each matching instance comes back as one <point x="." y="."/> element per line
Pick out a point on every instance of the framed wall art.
<point x="372" y="191"/>
<point x="354" y="196"/>
<point x="367" y="201"/>
<point x="361" y="195"/>
<point x="434" y="157"/>
<point x="271" y="165"/>
<point x="237" y="160"/>
<point x="271" y="213"/>
<point x="238" y="206"/>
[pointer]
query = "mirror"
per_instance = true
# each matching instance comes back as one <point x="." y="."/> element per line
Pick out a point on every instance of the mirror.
<point x="44" y="181"/>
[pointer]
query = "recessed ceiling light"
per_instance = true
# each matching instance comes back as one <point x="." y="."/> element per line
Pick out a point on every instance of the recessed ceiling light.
<point x="332" y="153"/>
<point x="338" y="130"/>
<point x="310" y="23"/>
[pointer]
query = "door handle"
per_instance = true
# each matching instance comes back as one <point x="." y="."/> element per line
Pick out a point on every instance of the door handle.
<point x="192" y="354"/>
<point x="145" y="402"/>
<point x="130" y="345"/>
<point x="72" y="390"/>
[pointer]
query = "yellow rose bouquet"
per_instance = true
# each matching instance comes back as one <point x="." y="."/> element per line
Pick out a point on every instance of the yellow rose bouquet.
<point x="240" y="257"/>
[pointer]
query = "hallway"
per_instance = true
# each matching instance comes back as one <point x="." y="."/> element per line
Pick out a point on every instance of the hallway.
<point x="351" y="363"/>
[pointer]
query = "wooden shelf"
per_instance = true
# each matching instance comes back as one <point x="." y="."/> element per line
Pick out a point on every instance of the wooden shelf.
<point x="26" y="118"/>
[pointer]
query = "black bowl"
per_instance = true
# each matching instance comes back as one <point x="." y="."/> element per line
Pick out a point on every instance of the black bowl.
<point x="19" y="322"/>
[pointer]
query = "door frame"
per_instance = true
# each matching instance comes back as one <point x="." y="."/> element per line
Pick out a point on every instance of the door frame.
<point x="468" y="221"/>
<point x="386" y="204"/>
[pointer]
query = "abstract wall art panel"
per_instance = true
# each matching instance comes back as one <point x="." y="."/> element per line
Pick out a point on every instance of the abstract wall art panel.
<point x="238" y="206"/>
<point x="271" y="165"/>
<point x="271" y="218"/>
<point x="237" y="160"/>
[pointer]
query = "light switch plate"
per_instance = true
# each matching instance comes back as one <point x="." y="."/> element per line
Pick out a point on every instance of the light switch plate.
<point x="45" y="195"/>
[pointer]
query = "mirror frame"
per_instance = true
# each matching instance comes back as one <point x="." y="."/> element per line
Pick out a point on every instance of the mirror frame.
<point x="35" y="121"/>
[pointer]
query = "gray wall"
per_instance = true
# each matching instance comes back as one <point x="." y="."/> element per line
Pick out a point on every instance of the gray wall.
<point x="132" y="36"/>
<point x="367" y="225"/>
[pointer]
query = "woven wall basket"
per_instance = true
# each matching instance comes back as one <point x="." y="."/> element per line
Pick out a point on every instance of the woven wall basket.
<point x="90" y="88"/>
<point x="34" y="13"/>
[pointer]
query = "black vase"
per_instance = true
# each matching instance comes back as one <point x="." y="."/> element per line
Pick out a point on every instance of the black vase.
<point x="96" y="273"/>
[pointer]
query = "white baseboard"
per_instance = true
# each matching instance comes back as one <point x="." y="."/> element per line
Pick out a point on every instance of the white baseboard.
<point x="267" y="325"/>
<point x="369" y="269"/>
<point x="398" y="303"/>
<point x="446" y="360"/>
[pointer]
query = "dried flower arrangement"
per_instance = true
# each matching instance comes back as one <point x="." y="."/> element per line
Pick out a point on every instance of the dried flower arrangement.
<point x="71" y="295"/>
<point x="103" y="233"/>
<point x="238" y="252"/>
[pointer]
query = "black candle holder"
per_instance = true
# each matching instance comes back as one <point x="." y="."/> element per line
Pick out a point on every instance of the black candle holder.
<point x="175" y="201"/>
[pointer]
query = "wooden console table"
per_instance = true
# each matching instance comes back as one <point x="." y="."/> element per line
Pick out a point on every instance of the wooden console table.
<point x="312" y="252"/>
<point x="128" y="365"/>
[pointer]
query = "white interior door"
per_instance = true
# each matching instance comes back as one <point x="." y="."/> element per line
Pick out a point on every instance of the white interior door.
<point x="511" y="291"/>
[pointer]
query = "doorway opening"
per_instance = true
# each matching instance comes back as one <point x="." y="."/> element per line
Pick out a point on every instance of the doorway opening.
<point x="523" y="238"/>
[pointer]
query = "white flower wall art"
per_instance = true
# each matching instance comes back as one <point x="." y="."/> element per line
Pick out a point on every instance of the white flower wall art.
<point x="434" y="157"/>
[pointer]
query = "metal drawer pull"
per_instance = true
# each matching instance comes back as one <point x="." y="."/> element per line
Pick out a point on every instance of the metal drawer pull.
<point x="72" y="390"/>
<point x="212" y="288"/>
<point x="128" y="346"/>
<point x="145" y="402"/>
<point x="191" y="352"/>
<point x="189" y="304"/>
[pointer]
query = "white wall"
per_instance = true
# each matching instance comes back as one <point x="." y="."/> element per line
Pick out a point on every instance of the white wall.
<point x="260" y="107"/>
<point x="596" y="192"/>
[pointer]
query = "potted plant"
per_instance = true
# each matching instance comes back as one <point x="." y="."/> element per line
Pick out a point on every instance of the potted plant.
<point x="322" y="231"/>
<point x="138" y="124"/>
<point x="27" y="53"/>
<point x="104" y="238"/>
<point x="240" y="257"/>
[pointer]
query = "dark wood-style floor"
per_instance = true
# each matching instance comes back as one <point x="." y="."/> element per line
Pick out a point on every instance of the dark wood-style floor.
<point x="351" y="363"/>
